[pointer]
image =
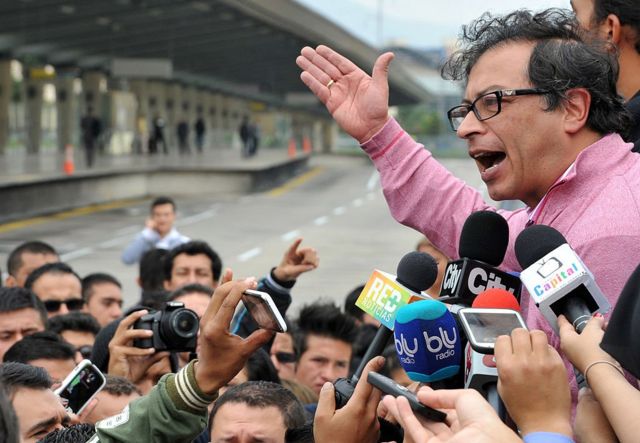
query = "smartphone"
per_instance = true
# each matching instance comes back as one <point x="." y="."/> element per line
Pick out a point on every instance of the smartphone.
<point x="263" y="310"/>
<point x="81" y="385"/>
<point x="483" y="325"/>
<point x="388" y="386"/>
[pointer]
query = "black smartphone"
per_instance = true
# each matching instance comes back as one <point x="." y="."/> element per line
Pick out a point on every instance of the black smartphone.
<point x="81" y="385"/>
<point x="263" y="310"/>
<point x="388" y="386"/>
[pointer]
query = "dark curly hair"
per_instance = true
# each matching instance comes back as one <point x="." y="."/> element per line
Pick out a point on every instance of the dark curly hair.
<point x="627" y="12"/>
<point x="562" y="59"/>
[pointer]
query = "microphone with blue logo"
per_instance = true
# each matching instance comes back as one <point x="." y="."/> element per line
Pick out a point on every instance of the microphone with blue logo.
<point x="427" y="341"/>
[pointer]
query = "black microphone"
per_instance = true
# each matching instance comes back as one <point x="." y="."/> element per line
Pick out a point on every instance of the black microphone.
<point x="483" y="244"/>
<point x="416" y="271"/>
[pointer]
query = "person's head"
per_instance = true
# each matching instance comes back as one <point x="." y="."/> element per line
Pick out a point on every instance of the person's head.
<point x="151" y="270"/>
<point x="9" y="427"/>
<point x="323" y="342"/>
<point x="58" y="286"/>
<point x="536" y="94"/>
<point x="79" y="329"/>
<point x="27" y="257"/>
<point x="194" y="296"/>
<point x="21" y="314"/>
<point x="283" y="354"/>
<point x="392" y="367"/>
<point x="38" y="408"/>
<point x="618" y="22"/>
<point x="102" y="294"/>
<point x="425" y="245"/>
<point x="355" y="312"/>
<point x="192" y="262"/>
<point x="117" y="393"/>
<point x="80" y="433"/>
<point x="255" y="411"/>
<point x="257" y="368"/>
<point x="46" y="350"/>
<point x="163" y="214"/>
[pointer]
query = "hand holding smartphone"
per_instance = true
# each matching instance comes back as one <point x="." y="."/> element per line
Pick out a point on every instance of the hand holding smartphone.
<point x="81" y="385"/>
<point x="483" y="325"/>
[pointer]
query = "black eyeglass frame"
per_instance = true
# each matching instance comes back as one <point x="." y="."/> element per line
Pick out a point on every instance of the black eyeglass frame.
<point x="499" y="95"/>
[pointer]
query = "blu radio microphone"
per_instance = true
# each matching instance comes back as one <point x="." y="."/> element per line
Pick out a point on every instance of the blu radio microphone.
<point x="427" y="341"/>
<point x="557" y="279"/>
<point x="382" y="297"/>
<point x="483" y="244"/>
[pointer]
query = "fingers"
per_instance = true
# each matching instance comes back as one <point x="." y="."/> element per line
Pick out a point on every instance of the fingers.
<point x="131" y="351"/>
<point x="565" y="329"/>
<point x="292" y="251"/>
<point x="315" y="57"/>
<point x="364" y="392"/>
<point x="343" y="64"/>
<point x="521" y="341"/>
<point x="380" y="72"/>
<point x="326" y="404"/>
<point x="119" y="337"/>
<point x="539" y="342"/>
<point x="257" y="339"/>
<point x="227" y="276"/>
<point x="319" y="89"/>
<point x="231" y="296"/>
<point x="596" y="323"/>
<point x="503" y="347"/>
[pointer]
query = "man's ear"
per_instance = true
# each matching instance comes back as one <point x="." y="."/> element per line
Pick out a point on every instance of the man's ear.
<point x="10" y="281"/>
<point x="576" y="107"/>
<point x="613" y="29"/>
<point x="167" y="285"/>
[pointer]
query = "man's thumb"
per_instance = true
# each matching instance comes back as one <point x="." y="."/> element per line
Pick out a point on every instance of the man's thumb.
<point x="381" y="68"/>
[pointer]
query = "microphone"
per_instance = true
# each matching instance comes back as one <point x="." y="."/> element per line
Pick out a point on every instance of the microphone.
<point x="481" y="373"/>
<point x="557" y="279"/>
<point x="382" y="297"/>
<point x="427" y="341"/>
<point x="483" y="244"/>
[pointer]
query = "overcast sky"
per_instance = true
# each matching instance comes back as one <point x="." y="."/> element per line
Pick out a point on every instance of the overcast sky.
<point x="419" y="23"/>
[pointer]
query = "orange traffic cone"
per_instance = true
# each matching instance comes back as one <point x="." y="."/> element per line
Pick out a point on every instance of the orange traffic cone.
<point x="306" y="145"/>
<point x="292" y="148"/>
<point x="68" y="165"/>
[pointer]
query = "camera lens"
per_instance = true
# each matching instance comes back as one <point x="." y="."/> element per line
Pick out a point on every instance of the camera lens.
<point x="184" y="324"/>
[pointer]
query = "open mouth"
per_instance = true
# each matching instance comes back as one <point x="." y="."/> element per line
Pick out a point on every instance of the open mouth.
<point x="488" y="160"/>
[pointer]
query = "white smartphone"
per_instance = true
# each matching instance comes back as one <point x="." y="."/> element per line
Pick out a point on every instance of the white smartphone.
<point x="483" y="325"/>
<point x="81" y="385"/>
<point x="263" y="310"/>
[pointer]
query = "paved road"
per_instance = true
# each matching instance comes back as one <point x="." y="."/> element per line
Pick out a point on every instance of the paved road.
<point x="337" y="208"/>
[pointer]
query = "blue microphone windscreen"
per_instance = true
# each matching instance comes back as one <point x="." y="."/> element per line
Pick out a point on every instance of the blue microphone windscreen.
<point x="427" y="341"/>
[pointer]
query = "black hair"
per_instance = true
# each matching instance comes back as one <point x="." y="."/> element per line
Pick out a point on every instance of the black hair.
<point x="391" y="361"/>
<point x="80" y="433"/>
<point x="364" y="336"/>
<point x="119" y="386"/>
<point x="154" y="300"/>
<point x="49" y="268"/>
<point x="300" y="434"/>
<point x="14" y="299"/>
<point x="14" y="261"/>
<point x="47" y="345"/>
<point x="73" y="321"/>
<point x="151" y="270"/>
<point x="263" y="394"/>
<point x="163" y="200"/>
<point x="561" y="60"/>
<point x="260" y="367"/>
<point x="89" y="281"/>
<point x="14" y="375"/>
<point x="350" y="307"/>
<point x="193" y="247"/>
<point x="325" y="320"/>
<point x="191" y="288"/>
<point x="9" y="428"/>
<point x="627" y="12"/>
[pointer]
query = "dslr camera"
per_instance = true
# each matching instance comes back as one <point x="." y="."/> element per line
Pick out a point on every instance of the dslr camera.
<point x="175" y="329"/>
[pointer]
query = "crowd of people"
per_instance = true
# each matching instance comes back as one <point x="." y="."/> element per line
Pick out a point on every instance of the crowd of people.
<point x="545" y="124"/>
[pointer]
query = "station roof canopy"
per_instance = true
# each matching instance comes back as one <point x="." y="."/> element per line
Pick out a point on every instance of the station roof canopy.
<point x="241" y="45"/>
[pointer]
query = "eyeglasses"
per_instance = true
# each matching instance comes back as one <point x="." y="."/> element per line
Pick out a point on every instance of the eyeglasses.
<point x="73" y="304"/>
<point x="487" y="105"/>
<point x="285" y="357"/>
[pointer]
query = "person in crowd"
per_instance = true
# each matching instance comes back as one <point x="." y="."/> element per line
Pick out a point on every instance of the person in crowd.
<point x="58" y="286"/>
<point x="245" y="136"/>
<point x="521" y="70"/>
<point x="255" y="411"/>
<point x="350" y="308"/>
<point x="37" y="407"/>
<point x="425" y="245"/>
<point x="151" y="270"/>
<point x="46" y="350"/>
<point x="80" y="433"/>
<point x="194" y="296"/>
<point x="27" y="257"/>
<point x="200" y="130"/>
<point x="21" y="314"/>
<point x="116" y="394"/>
<point x="79" y="329"/>
<point x="192" y="262"/>
<point x="257" y="368"/>
<point x="157" y="137"/>
<point x="182" y="131"/>
<point x="618" y="22"/>
<point x="102" y="295"/>
<point x="159" y="231"/>
<point x="9" y="427"/>
<point x="323" y="344"/>
<point x="91" y="128"/>
<point x="282" y="353"/>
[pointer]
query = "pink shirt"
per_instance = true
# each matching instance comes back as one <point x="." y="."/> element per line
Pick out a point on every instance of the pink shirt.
<point x="596" y="206"/>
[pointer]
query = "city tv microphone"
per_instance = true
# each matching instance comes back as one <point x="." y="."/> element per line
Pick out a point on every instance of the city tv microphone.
<point x="483" y="244"/>
<point x="427" y="341"/>
<point x="382" y="297"/>
<point x="557" y="279"/>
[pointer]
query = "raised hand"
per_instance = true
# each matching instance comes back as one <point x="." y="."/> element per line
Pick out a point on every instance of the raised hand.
<point x="296" y="261"/>
<point x="359" y="103"/>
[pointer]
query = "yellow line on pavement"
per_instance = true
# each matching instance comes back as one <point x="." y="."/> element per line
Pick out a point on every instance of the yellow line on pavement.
<point x="298" y="181"/>
<point x="77" y="212"/>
